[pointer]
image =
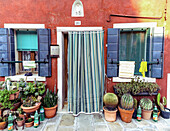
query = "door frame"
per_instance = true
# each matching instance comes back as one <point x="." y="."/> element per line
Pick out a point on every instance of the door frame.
<point x="60" y="60"/>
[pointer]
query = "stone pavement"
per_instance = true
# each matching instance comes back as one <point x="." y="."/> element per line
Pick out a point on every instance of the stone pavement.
<point x="96" y="122"/>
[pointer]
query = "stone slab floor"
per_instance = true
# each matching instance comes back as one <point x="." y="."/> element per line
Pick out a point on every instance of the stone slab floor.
<point x="96" y="122"/>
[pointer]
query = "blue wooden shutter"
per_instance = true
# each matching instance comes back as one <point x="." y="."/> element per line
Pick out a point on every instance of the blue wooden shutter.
<point x="44" y="41"/>
<point x="157" y="52"/>
<point x="12" y="49"/>
<point x="4" y="52"/>
<point x="112" y="52"/>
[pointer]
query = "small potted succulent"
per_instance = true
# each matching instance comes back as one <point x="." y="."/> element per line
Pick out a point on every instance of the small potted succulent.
<point x="165" y="112"/>
<point x="29" y="122"/>
<point x="146" y="106"/>
<point x="3" y="122"/>
<point x="50" y="104"/>
<point x="20" y="121"/>
<point x="126" y="108"/>
<point x="111" y="101"/>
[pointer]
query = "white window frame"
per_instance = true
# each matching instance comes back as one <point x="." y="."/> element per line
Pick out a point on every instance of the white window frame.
<point x="134" y="25"/>
<point x="23" y="27"/>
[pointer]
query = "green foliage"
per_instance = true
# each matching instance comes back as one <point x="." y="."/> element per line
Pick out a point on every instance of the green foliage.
<point x="3" y="119"/>
<point x="50" y="99"/>
<point x="135" y="87"/>
<point x="126" y="101"/>
<point x="19" y="118"/>
<point x="110" y="99"/>
<point x="30" y="101"/>
<point x="29" y="120"/>
<point x="146" y="104"/>
<point x="20" y="110"/>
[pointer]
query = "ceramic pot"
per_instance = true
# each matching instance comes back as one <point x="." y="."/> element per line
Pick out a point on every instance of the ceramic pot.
<point x="2" y="125"/>
<point x="22" y="116"/>
<point x="110" y="115"/>
<point x="126" y="115"/>
<point x="14" y="96"/>
<point x="146" y="114"/>
<point x="31" y="109"/>
<point x="50" y="112"/>
<point x="20" y="123"/>
<point x="165" y="114"/>
<point x="29" y="124"/>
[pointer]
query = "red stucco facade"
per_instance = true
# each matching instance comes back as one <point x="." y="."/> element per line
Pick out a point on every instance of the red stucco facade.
<point x="55" y="13"/>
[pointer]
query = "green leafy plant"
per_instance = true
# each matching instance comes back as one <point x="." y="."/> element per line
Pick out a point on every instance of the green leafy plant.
<point x="20" y="110"/>
<point x="19" y="119"/>
<point x="146" y="104"/>
<point x="110" y="99"/>
<point x="50" y="99"/>
<point x="163" y="103"/>
<point x="30" y="101"/>
<point x="4" y="99"/>
<point x="29" y="120"/>
<point x="3" y="119"/>
<point x="126" y="101"/>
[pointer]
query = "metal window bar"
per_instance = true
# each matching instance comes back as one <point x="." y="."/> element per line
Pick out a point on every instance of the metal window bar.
<point x="2" y="61"/>
<point x="148" y="62"/>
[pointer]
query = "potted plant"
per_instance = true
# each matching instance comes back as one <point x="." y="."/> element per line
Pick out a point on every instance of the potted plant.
<point x="50" y="104"/>
<point x="111" y="101"/>
<point x="3" y="122"/>
<point x="29" y="122"/>
<point x="31" y="104"/>
<point x="146" y="106"/>
<point x="135" y="106"/>
<point x="165" y="112"/>
<point x="21" y="112"/>
<point x="126" y="108"/>
<point x="20" y="121"/>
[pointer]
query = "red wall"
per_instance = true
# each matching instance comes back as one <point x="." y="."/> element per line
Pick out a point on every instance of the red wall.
<point x="55" y="13"/>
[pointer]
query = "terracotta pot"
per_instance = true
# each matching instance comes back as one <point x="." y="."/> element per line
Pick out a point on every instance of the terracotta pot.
<point x="20" y="123"/>
<point x="2" y="125"/>
<point x="14" y="96"/>
<point x="110" y="115"/>
<point x="126" y="115"/>
<point x="16" y="105"/>
<point x="146" y="114"/>
<point x="29" y="124"/>
<point x="31" y="109"/>
<point x="50" y="112"/>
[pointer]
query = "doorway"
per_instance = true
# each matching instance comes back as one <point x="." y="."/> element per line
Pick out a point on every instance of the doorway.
<point x="61" y="65"/>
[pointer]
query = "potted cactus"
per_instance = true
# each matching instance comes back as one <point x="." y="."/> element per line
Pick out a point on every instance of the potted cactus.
<point x="146" y="106"/>
<point x="126" y="108"/>
<point x="165" y="112"/>
<point x="111" y="101"/>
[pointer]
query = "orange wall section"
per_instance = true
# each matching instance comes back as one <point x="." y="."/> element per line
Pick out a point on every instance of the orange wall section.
<point x="55" y="13"/>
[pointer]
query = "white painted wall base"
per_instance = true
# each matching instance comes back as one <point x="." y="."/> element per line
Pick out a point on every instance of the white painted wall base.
<point x="168" y="90"/>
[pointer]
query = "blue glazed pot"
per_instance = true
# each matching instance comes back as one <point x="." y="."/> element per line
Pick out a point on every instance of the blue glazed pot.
<point x="165" y="114"/>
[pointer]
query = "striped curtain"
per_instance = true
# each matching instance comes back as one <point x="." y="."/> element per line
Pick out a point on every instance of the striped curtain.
<point x="85" y="71"/>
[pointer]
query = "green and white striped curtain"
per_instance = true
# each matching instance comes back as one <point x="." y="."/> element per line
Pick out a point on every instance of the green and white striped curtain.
<point x="85" y="71"/>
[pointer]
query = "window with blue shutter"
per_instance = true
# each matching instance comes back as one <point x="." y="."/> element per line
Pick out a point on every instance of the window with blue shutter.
<point x="44" y="41"/>
<point x="134" y="45"/>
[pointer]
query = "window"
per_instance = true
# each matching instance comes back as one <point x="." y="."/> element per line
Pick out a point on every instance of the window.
<point x="27" y="47"/>
<point x="136" y="44"/>
<point x="34" y="45"/>
<point x="133" y="46"/>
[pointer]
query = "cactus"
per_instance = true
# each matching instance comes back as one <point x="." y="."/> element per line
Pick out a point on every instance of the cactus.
<point x="110" y="99"/>
<point x="146" y="104"/>
<point x="126" y="101"/>
<point x="135" y="103"/>
<point x="161" y="105"/>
